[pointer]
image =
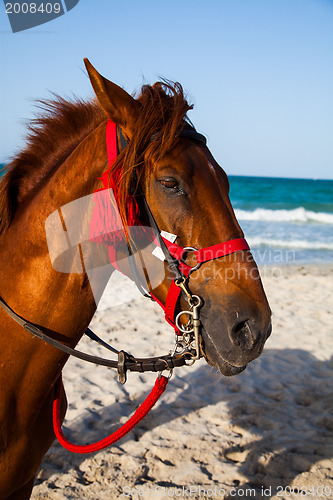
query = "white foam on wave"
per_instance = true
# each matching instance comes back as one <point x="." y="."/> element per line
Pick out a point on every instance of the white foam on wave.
<point x="294" y="244"/>
<point x="295" y="215"/>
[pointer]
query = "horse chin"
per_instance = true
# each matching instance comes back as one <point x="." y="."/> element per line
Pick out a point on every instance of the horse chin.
<point x="218" y="361"/>
<point x="227" y="369"/>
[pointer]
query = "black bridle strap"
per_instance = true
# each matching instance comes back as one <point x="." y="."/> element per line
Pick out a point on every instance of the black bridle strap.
<point x="192" y="134"/>
<point x="154" y="364"/>
<point x="187" y="133"/>
<point x="134" y="271"/>
<point x="172" y="262"/>
<point x="100" y="341"/>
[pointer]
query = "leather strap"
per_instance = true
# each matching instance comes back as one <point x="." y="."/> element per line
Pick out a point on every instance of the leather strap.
<point x="154" y="364"/>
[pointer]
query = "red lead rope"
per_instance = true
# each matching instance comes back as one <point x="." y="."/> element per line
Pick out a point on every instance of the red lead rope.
<point x="141" y="412"/>
<point x="160" y="384"/>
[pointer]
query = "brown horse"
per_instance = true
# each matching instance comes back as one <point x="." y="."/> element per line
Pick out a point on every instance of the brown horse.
<point x="187" y="193"/>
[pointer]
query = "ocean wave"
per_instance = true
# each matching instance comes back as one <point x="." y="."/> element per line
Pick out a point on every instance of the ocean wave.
<point x="299" y="214"/>
<point x="294" y="244"/>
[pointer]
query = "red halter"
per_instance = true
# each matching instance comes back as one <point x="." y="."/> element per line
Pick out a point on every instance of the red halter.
<point x="202" y="255"/>
<point x="178" y="252"/>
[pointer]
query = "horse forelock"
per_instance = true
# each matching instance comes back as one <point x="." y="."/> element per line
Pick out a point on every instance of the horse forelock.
<point x="163" y="114"/>
<point x="62" y="125"/>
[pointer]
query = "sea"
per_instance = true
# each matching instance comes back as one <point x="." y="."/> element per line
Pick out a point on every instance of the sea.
<point x="285" y="221"/>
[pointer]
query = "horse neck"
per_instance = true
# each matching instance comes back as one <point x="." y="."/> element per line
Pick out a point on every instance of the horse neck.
<point x="61" y="302"/>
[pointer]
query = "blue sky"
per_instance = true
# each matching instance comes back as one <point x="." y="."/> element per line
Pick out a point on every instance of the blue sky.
<point x="260" y="72"/>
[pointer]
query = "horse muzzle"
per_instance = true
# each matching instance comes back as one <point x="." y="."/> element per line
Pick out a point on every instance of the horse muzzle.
<point x="230" y="344"/>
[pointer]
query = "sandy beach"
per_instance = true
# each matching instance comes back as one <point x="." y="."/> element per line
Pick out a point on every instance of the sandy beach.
<point x="257" y="435"/>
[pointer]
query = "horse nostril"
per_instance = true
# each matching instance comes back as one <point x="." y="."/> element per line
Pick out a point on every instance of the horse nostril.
<point x="242" y="335"/>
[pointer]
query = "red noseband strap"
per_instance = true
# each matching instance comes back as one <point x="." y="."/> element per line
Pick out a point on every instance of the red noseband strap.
<point x="221" y="249"/>
<point x="208" y="253"/>
<point x="202" y="255"/>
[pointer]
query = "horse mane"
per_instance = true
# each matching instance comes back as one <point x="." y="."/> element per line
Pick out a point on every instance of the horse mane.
<point x="63" y="124"/>
<point x="52" y="136"/>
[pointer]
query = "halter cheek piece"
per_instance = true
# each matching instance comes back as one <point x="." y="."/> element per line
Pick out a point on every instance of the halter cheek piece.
<point x="187" y="348"/>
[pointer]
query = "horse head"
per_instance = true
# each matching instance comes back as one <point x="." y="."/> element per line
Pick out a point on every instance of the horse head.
<point x="188" y="195"/>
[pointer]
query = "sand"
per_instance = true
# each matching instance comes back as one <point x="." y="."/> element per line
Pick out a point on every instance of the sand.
<point x="261" y="434"/>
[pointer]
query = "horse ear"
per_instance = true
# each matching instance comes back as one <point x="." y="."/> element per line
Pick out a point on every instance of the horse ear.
<point x="119" y="106"/>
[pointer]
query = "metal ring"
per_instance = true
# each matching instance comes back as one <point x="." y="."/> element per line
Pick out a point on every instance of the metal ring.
<point x="190" y="248"/>
<point x="198" y="300"/>
<point x="166" y="368"/>
<point x="178" y="325"/>
<point x="186" y="250"/>
<point x="190" y="362"/>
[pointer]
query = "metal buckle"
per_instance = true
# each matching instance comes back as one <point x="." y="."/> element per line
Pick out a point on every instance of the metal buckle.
<point x="122" y="366"/>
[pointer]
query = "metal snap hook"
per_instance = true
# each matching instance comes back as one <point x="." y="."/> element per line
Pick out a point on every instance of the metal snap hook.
<point x="182" y="283"/>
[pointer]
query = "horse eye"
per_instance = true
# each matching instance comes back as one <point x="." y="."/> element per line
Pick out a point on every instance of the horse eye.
<point x="169" y="183"/>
